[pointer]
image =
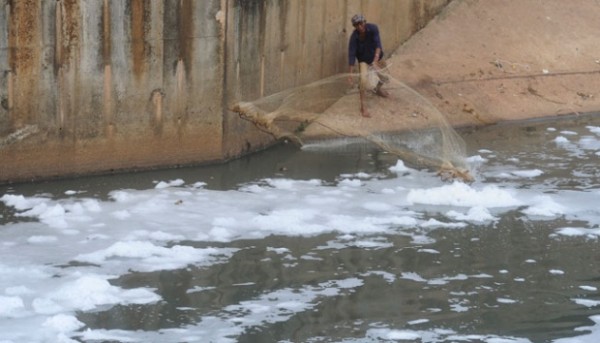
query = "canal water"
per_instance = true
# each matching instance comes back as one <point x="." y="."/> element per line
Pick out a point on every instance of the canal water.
<point x="317" y="245"/>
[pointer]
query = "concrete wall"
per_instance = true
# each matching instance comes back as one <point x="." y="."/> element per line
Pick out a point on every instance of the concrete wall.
<point x="95" y="86"/>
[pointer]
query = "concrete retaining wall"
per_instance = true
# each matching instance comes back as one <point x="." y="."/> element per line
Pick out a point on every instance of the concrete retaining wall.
<point x="95" y="86"/>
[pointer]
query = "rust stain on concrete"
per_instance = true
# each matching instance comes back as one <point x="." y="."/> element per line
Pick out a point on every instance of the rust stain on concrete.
<point x="23" y="34"/>
<point x="106" y="34"/>
<point x="186" y="32"/>
<point x="68" y="31"/>
<point x="138" y="36"/>
<point x="24" y="60"/>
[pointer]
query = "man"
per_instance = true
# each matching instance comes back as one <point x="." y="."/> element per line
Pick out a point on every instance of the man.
<point x="365" y="46"/>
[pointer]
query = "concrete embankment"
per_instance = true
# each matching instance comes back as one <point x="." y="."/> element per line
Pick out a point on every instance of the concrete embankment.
<point x="101" y="86"/>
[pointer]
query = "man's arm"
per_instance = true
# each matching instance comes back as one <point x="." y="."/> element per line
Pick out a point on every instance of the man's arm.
<point x="378" y="46"/>
<point x="377" y="55"/>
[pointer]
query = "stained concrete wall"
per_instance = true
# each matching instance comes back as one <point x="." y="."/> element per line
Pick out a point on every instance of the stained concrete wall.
<point x="95" y="86"/>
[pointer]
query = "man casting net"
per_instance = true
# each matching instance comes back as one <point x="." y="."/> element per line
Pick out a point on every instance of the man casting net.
<point x="381" y="110"/>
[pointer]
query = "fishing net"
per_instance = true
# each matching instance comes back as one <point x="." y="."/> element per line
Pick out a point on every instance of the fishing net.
<point x="345" y="107"/>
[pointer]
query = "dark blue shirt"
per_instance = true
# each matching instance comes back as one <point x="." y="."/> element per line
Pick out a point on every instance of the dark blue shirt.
<point x="364" y="50"/>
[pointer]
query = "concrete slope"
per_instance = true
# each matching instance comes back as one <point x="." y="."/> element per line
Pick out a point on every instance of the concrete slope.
<point x="485" y="61"/>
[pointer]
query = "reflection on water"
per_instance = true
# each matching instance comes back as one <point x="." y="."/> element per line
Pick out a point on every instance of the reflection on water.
<point x="484" y="279"/>
<point x="508" y="278"/>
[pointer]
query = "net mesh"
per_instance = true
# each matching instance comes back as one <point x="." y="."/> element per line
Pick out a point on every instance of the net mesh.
<point x="346" y="106"/>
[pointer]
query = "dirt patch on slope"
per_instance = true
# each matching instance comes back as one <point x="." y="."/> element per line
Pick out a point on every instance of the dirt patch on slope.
<point x="482" y="61"/>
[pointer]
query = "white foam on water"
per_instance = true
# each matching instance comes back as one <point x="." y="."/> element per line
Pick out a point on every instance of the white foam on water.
<point x="463" y="195"/>
<point x="144" y="230"/>
<point x="589" y="334"/>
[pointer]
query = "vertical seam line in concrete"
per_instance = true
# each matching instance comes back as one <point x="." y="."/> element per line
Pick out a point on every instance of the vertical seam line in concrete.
<point x="224" y="94"/>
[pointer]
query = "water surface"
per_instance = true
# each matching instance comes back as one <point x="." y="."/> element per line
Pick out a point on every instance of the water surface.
<point x="316" y="246"/>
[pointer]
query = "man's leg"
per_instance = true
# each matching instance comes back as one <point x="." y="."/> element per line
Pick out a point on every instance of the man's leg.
<point x="362" y="86"/>
<point x="381" y="92"/>
<point x="383" y="78"/>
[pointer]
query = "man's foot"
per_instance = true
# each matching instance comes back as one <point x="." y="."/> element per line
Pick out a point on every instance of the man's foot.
<point x="382" y="93"/>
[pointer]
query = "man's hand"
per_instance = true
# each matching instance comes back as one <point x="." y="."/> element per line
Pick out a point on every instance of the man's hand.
<point x="351" y="76"/>
<point x="377" y="56"/>
<point x="378" y="66"/>
<point x="376" y="63"/>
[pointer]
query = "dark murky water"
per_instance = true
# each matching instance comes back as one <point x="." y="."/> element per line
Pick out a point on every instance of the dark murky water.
<point x="511" y="278"/>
